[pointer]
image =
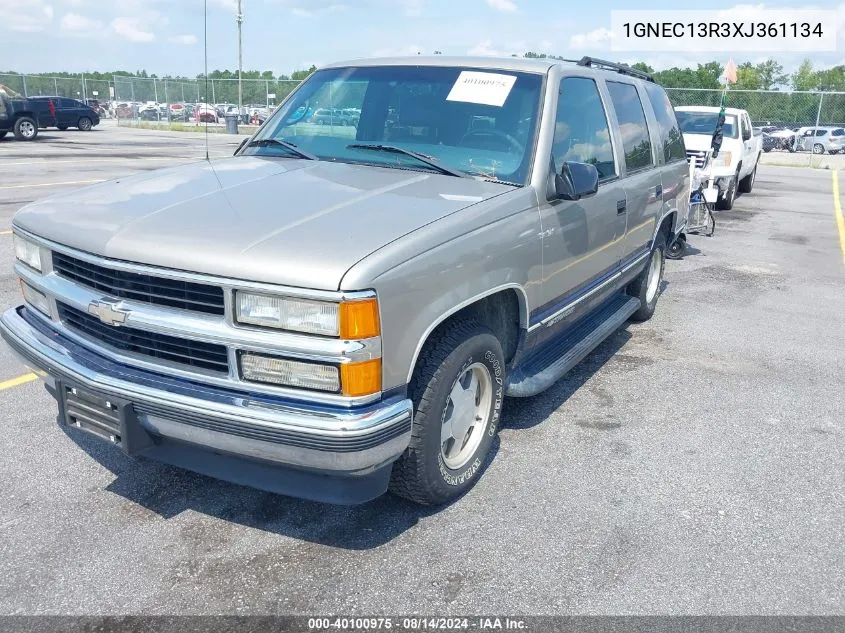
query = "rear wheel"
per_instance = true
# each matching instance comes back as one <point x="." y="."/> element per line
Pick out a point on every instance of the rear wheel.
<point x="818" y="148"/>
<point x="3" y="134"/>
<point x="84" y="124"/>
<point x="646" y="287"/>
<point x="834" y="151"/>
<point x="62" y="126"/>
<point x="26" y="129"/>
<point x="457" y="390"/>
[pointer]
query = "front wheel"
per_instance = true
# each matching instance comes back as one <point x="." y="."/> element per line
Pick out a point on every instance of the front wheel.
<point x="646" y="287"/>
<point x="85" y="124"/>
<point x="26" y="129"/>
<point x="818" y="148"/>
<point x="726" y="202"/>
<point x="3" y="134"/>
<point x="457" y="390"/>
<point x="62" y="127"/>
<point x="746" y="184"/>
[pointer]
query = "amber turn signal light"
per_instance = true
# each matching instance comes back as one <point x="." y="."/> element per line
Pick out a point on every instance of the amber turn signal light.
<point x="361" y="379"/>
<point x="359" y="319"/>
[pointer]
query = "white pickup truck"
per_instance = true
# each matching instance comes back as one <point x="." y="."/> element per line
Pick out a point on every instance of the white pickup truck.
<point x="735" y="166"/>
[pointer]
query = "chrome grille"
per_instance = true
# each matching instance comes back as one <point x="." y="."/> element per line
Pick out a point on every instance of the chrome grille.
<point x="122" y="284"/>
<point x="183" y="351"/>
<point x="697" y="156"/>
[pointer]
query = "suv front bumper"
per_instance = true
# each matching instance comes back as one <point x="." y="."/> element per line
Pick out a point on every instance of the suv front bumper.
<point x="318" y="452"/>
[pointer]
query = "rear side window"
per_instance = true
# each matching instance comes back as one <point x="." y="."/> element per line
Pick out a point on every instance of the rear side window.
<point x="839" y="132"/>
<point x="670" y="133"/>
<point x="66" y="103"/>
<point x="636" y="142"/>
<point x="582" y="134"/>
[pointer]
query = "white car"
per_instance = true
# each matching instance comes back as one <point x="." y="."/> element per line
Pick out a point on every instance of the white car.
<point x="735" y="166"/>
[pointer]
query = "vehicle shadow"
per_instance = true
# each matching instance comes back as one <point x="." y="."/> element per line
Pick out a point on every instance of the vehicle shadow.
<point x="525" y="413"/>
<point x="168" y="491"/>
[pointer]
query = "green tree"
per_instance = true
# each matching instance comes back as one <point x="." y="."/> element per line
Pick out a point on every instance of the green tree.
<point x="805" y="78"/>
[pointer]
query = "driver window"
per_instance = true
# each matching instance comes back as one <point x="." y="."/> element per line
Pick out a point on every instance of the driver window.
<point x="581" y="131"/>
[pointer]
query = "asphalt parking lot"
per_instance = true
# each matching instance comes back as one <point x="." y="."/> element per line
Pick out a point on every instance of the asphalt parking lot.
<point x="692" y="464"/>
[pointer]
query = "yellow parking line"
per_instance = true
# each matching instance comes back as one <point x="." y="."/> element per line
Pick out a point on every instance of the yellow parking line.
<point x="6" y="232"/>
<point x="837" y="211"/>
<point x="20" y="380"/>
<point x="54" y="184"/>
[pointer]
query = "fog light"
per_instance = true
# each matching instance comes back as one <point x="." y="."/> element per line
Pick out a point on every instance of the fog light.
<point x="289" y="373"/>
<point x="35" y="298"/>
<point x="361" y="379"/>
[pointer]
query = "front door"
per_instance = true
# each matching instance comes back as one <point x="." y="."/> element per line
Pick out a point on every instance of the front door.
<point x="582" y="239"/>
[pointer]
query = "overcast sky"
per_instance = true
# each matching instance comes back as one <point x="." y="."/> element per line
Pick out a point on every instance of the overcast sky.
<point x="166" y="36"/>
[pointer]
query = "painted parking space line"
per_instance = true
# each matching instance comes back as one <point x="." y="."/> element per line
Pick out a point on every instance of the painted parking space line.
<point x="52" y="184"/>
<point x="15" y="382"/>
<point x="6" y="232"/>
<point x="838" y="213"/>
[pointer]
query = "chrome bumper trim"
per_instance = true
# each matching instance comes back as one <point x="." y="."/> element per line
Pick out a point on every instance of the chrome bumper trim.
<point x="256" y="426"/>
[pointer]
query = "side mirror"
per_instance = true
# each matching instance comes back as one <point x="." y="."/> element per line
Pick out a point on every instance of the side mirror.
<point x="746" y="135"/>
<point x="576" y="180"/>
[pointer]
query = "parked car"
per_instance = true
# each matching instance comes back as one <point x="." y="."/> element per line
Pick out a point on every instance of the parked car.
<point x="23" y="117"/>
<point x="782" y="138"/>
<point x="205" y="113"/>
<point x="735" y="167"/>
<point x="820" y="140"/>
<point x="72" y="113"/>
<point x="355" y="312"/>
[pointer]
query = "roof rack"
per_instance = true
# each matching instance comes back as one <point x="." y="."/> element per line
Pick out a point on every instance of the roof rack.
<point x="623" y="69"/>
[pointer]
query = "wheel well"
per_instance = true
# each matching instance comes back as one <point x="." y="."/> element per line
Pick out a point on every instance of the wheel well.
<point x="499" y="311"/>
<point x="666" y="226"/>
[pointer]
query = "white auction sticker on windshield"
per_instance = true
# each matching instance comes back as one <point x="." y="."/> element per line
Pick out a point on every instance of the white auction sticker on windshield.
<point x="484" y="88"/>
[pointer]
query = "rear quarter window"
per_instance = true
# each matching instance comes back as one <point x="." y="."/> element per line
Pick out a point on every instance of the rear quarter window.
<point x="670" y="132"/>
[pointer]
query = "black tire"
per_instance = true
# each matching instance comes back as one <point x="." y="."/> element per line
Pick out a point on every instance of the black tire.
<point x="640" y="286"/>
<point x="62" y="127"/>
<point x="26" y="129"/>
<point x="676" y="249"/>
<point x="85" y="124"/>
<point x="834" y="151"/>
<point x="3" y="134"/>
<point x="726" y="202"/>
<point x="818" y="148"/>
<point x="747" y="183"/>
<point x="421" y="475"/>
<point x="767" y="149"/>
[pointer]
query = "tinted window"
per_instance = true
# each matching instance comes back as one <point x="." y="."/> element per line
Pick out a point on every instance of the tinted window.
<point x="839" y="132"/>
<point x="581" y="131"/>
<point x="67" y="103"/>
<point x="821" y="132"/>
<point x="670" y="133"/>
<point x="632" y="125"/>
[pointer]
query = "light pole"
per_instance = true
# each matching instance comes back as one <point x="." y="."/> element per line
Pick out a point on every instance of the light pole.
<point x="240" y="20"/>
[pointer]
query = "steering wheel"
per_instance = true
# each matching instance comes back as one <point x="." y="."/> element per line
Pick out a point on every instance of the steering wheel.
<point x="497" y="135"/>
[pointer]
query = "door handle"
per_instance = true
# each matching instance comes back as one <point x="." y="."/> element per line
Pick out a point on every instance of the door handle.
<point x="658" y="191"/>
<point x="621" y="206"/>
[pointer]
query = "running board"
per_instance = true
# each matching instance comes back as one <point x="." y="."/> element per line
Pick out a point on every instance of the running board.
<point x="558" y="357"/>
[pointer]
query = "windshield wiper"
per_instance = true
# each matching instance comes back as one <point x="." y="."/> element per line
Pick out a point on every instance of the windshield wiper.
<point x="264" y="142"/>
<point x="422" y="158"/>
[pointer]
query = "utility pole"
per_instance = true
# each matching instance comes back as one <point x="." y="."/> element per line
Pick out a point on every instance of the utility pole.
<point x="240" y="20"/>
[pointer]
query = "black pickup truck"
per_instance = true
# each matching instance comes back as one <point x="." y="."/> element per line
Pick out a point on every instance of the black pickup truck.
<point x="23" y="116"/>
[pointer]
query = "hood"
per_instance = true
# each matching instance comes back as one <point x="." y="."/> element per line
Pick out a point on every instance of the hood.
<point x="291" y="222"/>
<point x="699" y="142"/>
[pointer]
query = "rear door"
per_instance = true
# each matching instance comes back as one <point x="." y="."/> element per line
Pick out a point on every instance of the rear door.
<point x="671" y="153"/>
<point x="641" y="176"/>
<point x="66" y="112"/>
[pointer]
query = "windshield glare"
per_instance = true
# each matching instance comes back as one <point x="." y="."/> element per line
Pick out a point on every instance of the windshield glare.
<point x="705" y="123"/>
<point x="483" y="126"/>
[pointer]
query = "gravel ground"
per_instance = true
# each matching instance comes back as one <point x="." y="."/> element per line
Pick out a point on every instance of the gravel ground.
<point x="692" y="464"/>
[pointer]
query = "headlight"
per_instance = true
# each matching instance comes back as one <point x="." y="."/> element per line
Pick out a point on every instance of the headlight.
<point x="27" y="252"/>
<point x="290" y="373"/>
<point x="35" y="298"/>
<point x="722" y="160"/>
<point x="348" y="320"/>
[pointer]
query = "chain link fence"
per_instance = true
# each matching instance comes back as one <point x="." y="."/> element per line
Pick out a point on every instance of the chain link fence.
<point x="772" y="107"/>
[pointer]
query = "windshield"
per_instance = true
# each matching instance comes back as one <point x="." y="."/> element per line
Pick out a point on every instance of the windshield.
<point x="705" y="123"/>
<point x="482" y="123"/>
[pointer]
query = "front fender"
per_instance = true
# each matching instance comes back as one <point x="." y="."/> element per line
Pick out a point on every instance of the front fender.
<point x="431" y="274"/>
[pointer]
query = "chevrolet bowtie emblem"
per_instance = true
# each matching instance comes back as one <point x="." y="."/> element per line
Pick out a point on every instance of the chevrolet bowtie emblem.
<point x="109" y="312"/>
